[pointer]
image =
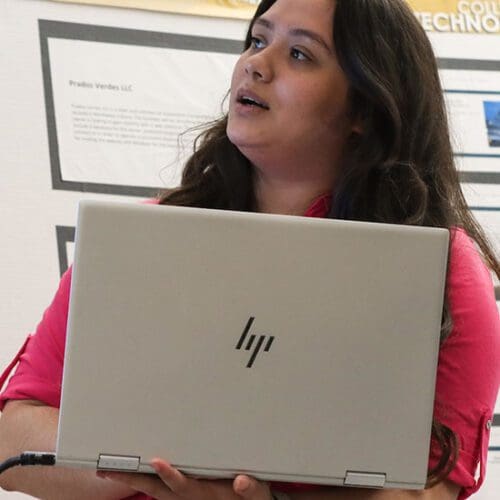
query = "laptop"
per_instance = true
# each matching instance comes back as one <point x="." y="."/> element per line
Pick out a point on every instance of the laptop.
<point x="287" y="348"/>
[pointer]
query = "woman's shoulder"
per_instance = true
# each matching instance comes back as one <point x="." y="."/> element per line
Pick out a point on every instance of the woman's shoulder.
<point x="460" y="240"/>
<point x="466" y="263"/>
<point x="471" y="294"/>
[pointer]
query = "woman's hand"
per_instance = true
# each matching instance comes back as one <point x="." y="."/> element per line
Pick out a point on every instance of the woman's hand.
<point x="172" y="484"/>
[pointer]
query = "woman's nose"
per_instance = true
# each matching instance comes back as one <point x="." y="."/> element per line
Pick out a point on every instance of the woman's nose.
<point x="258" y="67"/>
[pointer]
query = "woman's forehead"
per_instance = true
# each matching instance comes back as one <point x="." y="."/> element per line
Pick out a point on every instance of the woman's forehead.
<point x="315" y="15"/>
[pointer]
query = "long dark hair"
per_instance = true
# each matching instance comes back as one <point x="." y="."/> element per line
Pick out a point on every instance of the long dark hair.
<point x="398" y="169"/>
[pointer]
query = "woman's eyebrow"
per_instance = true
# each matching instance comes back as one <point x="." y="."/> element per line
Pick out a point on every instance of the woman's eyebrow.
<point x="315" y="37"/>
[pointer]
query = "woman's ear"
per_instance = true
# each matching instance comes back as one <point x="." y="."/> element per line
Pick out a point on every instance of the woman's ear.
<point x="357" y="124"/>
<point x="357" y="127"/>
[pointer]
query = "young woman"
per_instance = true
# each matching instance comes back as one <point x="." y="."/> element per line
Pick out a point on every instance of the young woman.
<point x="336" y="111"/>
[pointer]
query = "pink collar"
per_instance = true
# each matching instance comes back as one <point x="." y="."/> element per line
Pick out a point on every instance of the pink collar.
<point x="320" y="206"/>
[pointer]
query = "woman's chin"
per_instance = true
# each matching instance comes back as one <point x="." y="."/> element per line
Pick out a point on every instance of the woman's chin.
<point x="253" y="151"/>
<point x="245" y="143"/>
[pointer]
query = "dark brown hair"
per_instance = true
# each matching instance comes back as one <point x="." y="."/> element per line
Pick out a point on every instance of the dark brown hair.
<point x="399" y="169"/>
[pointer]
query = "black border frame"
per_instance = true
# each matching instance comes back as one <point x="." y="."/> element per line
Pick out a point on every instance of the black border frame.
<point x="64" y="235"/>
<point x="474" y="65"/>
<point x="120" y="36"/>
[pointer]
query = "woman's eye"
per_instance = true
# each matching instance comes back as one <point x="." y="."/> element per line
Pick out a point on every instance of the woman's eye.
<point x="299" y="55"/>
<point x="256" y="43"/>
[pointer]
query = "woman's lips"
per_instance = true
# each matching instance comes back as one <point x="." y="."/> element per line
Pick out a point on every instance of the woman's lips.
<point x="247" y="98"/>
<point x="248" y="109"/>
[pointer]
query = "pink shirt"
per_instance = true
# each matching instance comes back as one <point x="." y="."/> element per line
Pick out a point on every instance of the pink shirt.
<point x="468" y="374"/>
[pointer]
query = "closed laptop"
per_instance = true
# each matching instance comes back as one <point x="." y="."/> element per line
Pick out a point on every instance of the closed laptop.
<point x="288" y="348"/>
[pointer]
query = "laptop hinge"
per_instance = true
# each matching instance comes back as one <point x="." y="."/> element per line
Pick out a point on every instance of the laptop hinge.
<point x="118" y="462"/>
<point x="366" y="479"/>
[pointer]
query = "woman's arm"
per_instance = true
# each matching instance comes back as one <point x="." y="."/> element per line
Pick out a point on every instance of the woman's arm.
<point x="30" y="425"/>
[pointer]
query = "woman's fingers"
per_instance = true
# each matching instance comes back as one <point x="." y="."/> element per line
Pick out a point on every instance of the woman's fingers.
<point x="171" y="484"/>
<point x="249" y="488"/>
<point x="173" y="478"/>
<point x="145" y="483"/>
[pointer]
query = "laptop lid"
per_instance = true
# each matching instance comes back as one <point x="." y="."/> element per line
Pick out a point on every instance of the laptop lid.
<point x="287" y="348"/>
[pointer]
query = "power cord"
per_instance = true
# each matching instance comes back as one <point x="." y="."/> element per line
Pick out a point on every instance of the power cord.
<point x="29" y="458"/>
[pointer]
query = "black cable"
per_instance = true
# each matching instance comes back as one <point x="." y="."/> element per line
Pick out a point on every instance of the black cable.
<point x="29" y="458"/>
<point x="10" y="462"/>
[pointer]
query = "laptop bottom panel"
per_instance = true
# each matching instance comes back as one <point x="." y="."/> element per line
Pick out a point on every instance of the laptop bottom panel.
<point x="356" y="479"/>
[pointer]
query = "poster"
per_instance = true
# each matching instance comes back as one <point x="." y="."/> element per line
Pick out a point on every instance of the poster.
<point x="124" y="106"/>
<point x="472" y="95"/>
<point x="458" y="16"/>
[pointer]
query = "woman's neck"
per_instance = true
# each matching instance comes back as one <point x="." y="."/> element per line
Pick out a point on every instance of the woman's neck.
<point x="277" y="196"/>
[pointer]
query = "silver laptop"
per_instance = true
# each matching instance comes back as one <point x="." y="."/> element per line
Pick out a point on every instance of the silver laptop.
<point x="288" y="348"/>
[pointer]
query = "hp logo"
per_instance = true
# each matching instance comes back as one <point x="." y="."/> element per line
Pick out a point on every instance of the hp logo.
<point x="250" y="343"/>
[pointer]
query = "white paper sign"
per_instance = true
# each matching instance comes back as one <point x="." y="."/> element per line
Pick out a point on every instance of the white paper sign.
<point x="122" y="110"/>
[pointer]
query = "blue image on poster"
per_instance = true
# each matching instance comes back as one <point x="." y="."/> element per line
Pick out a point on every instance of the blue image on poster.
<point x="492" y="115"/>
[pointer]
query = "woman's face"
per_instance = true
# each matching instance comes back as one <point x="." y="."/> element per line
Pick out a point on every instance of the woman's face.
<point x="288" y="93"/>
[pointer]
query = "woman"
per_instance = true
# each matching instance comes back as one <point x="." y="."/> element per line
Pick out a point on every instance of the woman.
<point x="335" y="110"/>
